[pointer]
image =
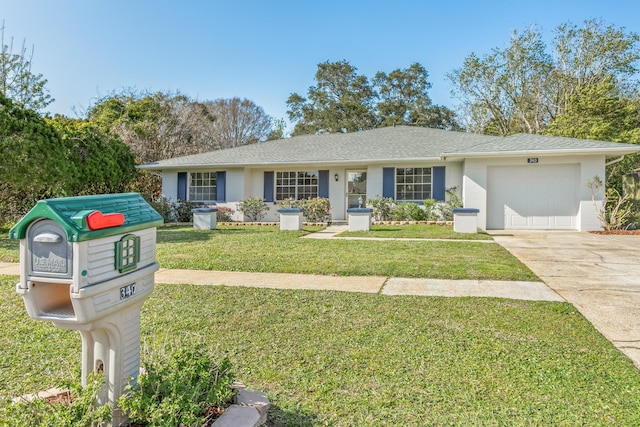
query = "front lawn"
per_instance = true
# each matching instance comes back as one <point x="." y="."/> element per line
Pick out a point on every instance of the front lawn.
<point x="416" y="231"/>
<point x="267" y="249"/>
<point x="349" y="359"/>
<point x="9" y="248"/>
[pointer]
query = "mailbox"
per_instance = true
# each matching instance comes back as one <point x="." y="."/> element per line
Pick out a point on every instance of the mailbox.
<point x="88" y="263"/>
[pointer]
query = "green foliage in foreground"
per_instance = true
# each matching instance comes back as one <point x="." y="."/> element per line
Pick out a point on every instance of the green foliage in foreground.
<point x="183" y="375"/>
<point x="267" y="249"/>
<point x="81" y="412"/>
<point x="181" y="381"/>
<point x="349" y="359"/>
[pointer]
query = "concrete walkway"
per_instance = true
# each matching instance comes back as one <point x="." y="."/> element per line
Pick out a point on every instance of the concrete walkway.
<point x="367" y="284"/>
<point x="598" y="274"/>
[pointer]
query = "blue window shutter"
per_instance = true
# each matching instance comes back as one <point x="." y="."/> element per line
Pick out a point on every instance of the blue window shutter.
<point x="221" y="186"/>
<point x="437" y="184"/>
<point x="323" y="184"/>
<point x="388" y="182"/>
<point x="268" y="187"/>
<point x="182" y="186"/>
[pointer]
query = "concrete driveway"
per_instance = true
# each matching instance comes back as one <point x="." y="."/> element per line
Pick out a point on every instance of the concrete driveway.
<point x="598" y="274"/>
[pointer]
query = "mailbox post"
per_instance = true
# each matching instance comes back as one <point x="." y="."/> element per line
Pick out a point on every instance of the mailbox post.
<point x="87" y="263"/>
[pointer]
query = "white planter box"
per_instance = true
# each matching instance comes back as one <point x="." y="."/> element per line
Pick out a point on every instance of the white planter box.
<point x="465" y="220"/>
<point x="291" y="219"/>
<point x="204" y="218"/>
<point x="359" y="219"/>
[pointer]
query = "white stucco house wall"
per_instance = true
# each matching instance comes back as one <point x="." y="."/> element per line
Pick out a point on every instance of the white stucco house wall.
<point x="517" y="182"/>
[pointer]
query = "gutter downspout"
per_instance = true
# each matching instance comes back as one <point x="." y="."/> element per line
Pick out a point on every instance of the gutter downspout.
<point x="614" y="161"/>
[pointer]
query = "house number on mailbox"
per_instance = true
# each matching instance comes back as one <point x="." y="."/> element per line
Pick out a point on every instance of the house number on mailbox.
<point x="532" y="160"/>
<point x="127" y="291"/>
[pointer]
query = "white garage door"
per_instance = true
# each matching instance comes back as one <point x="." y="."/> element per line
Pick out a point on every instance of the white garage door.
<point x="532" y="197"/>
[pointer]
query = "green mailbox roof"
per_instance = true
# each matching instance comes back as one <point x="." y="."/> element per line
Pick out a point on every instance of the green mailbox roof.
<point x="71" y="213"/>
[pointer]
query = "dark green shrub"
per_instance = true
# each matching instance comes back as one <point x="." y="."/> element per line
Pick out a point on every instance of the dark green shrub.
<point x="183" y="210"/>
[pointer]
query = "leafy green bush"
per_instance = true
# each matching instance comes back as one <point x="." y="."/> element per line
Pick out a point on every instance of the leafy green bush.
<point x="408" y="211"/>
<point x="180" y="383"/>
<point x="254" y="208"/>
<point x="317" y="209"/>
<point x="179" y="211"/>
<point x="382" y="208"/>
<point x="164" y="207"/>
<point x="183" y="209"/>
<point x="431" y="211"/>
<point x="81" y="411"/>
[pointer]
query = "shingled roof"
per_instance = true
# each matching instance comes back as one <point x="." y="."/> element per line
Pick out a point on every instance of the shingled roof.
<point x="400" y="143"/>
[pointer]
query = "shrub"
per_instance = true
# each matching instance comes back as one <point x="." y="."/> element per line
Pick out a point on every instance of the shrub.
<point x="254" y="208"/>
<point x="408" y="211"/>
<point x="164" y="207"/>
<point x="382" y="208"/>
<point x="317" y="209"/>
<point x="616" y="211"/>
<point x="431" y="210"/>
<point x="183" y="210"/>
<point x="180" y="384"/>
<point x="179" y="211"/>
<point x="224" y="214"/>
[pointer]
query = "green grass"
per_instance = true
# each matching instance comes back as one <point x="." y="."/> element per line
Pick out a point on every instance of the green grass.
<point x="8" y="247"/>
<point x="267" y="249"/>
<point x="348" y="359"/>
<point x="416" y="231"/>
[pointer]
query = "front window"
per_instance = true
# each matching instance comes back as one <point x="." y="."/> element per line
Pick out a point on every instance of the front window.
<point x="202" y="186"/>
<point x="296" y="185"/>
<point x="413" y="184"/>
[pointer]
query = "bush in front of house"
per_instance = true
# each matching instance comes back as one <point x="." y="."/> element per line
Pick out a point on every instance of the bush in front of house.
<point x="253" y="208"/>
<point x="382" y="208"/>
<point x="178" y="211"/>
<point x="224" y="214"/>
<point x="317" y="209"/>
<point x="408" y="211"/>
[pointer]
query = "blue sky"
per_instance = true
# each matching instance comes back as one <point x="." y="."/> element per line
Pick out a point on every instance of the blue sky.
<point x="266" y="50"/>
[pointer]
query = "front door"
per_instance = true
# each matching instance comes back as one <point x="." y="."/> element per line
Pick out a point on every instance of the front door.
<point x="356" y="189"/>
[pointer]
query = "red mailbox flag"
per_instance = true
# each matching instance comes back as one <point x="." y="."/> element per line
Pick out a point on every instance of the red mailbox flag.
<point x="96" y="220"/>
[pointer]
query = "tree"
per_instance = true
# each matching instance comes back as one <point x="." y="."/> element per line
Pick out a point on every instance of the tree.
<point x="342" y="101"/>
<point x="17" y="82"/>
<point x="102" y="163"/>
<point x="34" y="164"/>
<point x="155" y="126"/>
<point x="523" y="88"/>
<point x="45" y="158"/>
<point x="401" y="92"/>
<point x="602" y="111"/>
<point x="235" y="122"/>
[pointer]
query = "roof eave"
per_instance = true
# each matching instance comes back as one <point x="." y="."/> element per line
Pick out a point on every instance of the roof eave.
<point x="334" y="162"/>
<point x="569" y="152"/>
